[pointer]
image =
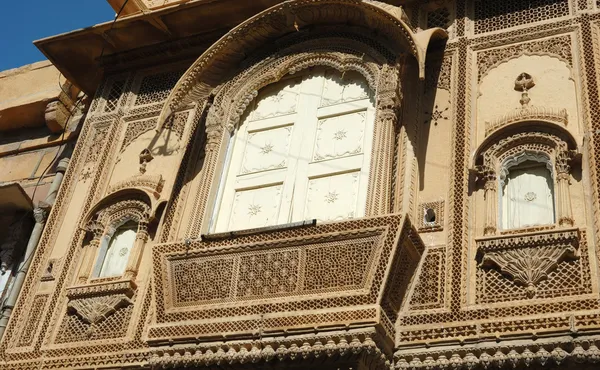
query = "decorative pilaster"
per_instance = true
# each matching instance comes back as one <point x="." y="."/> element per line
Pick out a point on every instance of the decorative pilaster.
<point x="563" y="168"/>
<point x="214" y="136"/>
<point x="89" y="253"/>
<point x="386" y="121"/>
<point x="488" y="174"/>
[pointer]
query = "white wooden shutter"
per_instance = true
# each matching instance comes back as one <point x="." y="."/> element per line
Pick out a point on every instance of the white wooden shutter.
<point x="528" y="197"/>
<point x="117" y="254"/>
<point x="302" y="152"/>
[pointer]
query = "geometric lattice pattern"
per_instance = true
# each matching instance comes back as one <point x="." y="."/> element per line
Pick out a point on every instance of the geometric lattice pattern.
<point x="225" y="298"/>
<point x="74" y="329"/>
<point x="32" y="323"/>
<point x="571" y="277"/>
<point x="496" y="15"/>
<point x="155" y="88"/>
<point x="114" y="95"/>
<point x="439" y="18"/>
<point x="429" y="289"/>
<point x="329" y="267"/>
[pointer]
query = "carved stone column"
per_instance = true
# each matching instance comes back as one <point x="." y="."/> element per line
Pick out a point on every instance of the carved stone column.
<point x="214" y="135"/>
<point x="90" y="252"/>
<point x="563" y="169"/>
<point x="136" y="252"/>
<point x="488" y="174"/>
<point x="386" y="120"/>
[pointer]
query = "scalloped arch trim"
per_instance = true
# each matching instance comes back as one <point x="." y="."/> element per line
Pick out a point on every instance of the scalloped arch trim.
<point x="208" y="71"/>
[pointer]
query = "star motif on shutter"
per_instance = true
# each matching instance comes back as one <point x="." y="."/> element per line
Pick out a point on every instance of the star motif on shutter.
<point x="266" y="149"/>
<point x="530" y="196"/>
<point x="339" y="135"/>
<point x="254" y="209"/>
<point x="331" y="197"/>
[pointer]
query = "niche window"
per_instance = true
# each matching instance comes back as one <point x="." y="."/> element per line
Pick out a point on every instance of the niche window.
<point x="527" y="193"/>
<point x="114" y="254"/>
<point x="302" y="151"/>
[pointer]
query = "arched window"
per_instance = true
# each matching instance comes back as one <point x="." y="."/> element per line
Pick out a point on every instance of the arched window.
<point x="527" y="192"/>
<point x="303" y="151"/>
<point x="114" y="254"/>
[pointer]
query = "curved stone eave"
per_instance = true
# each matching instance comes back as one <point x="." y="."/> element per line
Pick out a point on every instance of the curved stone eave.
<point x="422" y="40"/>
<point x="207" y="71"/>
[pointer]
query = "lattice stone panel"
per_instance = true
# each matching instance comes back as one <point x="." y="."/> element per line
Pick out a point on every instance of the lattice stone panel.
<point x="31" y="326"/>
<point x="114" y="95"/>
<point x="297" y="276"/>
<point x="496" y="15"/>
<point x="570" y="276"/>
<point x="74" y="329"/>
<point x="328" y="266"/>
<point x="568" y="279"/>
<point x="441" y="17"/>
<point x="429" y="290"/>
<point x="137" y="128"/>
<point x="156" y="87"/>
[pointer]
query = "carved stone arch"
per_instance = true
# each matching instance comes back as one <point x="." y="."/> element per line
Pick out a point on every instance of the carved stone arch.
<point x="521" y="133"/>
<point x="125" y="210"/>
<point x="382" y="74"/>
<point x="234" y="98"/>
<point x="216" y="63"/>
<point x="129" y="204"/>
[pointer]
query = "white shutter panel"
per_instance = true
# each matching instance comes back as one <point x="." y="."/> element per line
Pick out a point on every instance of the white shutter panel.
<point x="302" y="152"/>
<point x="337" y="173"/>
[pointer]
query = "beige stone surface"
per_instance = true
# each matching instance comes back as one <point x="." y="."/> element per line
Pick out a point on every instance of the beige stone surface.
<point x="393" y="289"/>
<point x="25" y="92"/>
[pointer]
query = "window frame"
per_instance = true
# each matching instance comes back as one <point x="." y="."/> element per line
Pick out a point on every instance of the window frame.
<point x="238" y="136"/>
<point x="225" y="111"/>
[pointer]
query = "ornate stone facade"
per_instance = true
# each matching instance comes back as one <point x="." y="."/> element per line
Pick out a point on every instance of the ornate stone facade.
<point x="468" y="96"/>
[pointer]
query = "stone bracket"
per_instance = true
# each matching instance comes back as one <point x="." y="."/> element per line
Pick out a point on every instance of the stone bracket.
<point x="529" y="258"/>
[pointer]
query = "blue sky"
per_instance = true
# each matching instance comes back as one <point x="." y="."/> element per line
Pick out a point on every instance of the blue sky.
<point x="22" y="22"/>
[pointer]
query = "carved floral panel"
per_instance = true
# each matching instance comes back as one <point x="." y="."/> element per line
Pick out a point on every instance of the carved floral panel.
<point x="256" y="207"/>
<point x="266" y="150"/>
<point x="332" y="198"/>
<point x="340" y="136"/>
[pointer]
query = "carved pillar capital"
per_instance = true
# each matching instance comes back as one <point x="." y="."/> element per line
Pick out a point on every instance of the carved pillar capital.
<point x="214" y="127"/>
<point x="96" y="228"/>
<point x="142" y="232"/>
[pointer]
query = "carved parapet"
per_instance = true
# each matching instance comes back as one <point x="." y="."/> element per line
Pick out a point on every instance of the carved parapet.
<point x="529" y="258"/>
<point x="339" y="266"/>
<point x="545" y="353"/>
<point x="351" y="346"/>
<point x="529" y="113"/>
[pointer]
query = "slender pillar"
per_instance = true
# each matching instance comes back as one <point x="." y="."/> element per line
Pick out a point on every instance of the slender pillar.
<point x="89" y="253"/>
<point x="40" y="214"/>
<point x="565" y="212"/>
<point x="488" y="174"/>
